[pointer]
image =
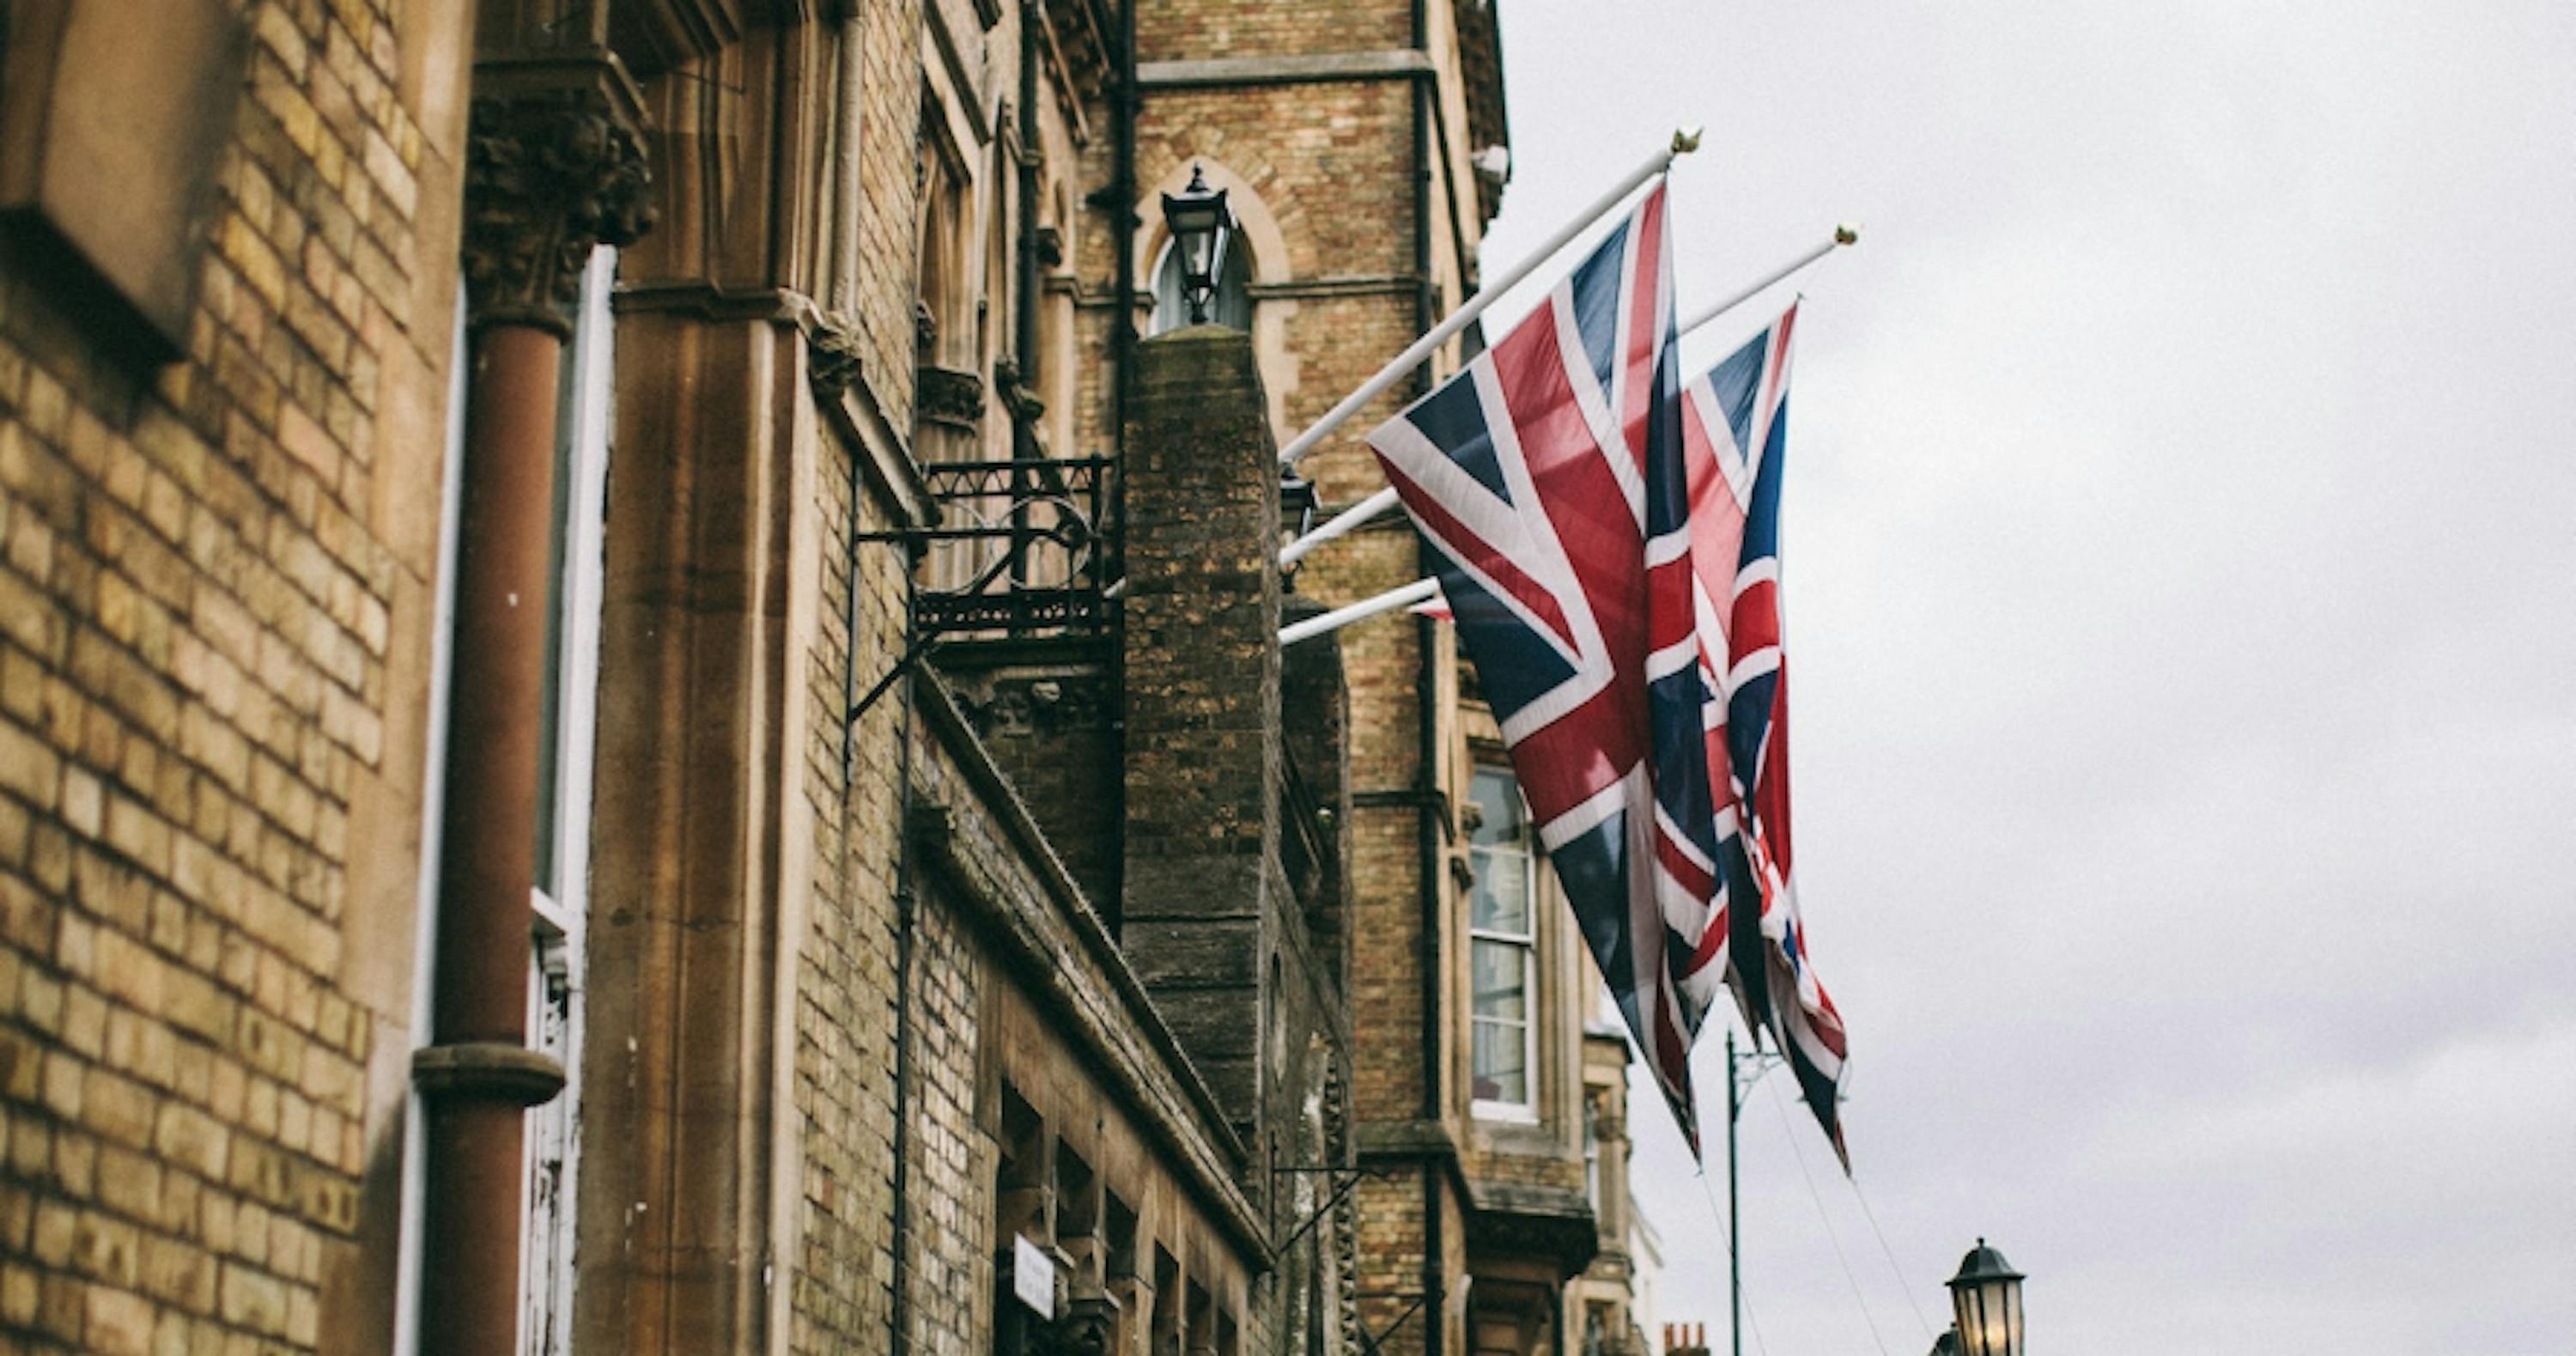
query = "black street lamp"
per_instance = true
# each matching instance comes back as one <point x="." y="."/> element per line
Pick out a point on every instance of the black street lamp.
<point x="1201" y="225"/>
<point x="1986" y="1298"/>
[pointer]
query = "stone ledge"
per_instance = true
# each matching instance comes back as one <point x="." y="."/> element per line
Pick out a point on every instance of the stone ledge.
<point x="486" y="1071"/>
<point x="1386" y="64"/>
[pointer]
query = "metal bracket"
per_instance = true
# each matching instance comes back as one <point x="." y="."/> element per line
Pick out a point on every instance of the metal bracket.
<point x="913" y="653"/>
<point x="1369" y="1343"/>
<point x="1344" y="1182"/>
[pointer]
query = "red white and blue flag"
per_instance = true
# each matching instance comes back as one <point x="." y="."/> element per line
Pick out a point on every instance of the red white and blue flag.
<point x="1549" y="484"/>
<point x="1735" y="429"/>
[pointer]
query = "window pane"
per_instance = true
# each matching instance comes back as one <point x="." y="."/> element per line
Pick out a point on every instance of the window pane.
<point x="1502" y="979"/>
<point x="1498" y="803"/>
<point x="1500" y="901"/>
<point x="1501" y="1062"/>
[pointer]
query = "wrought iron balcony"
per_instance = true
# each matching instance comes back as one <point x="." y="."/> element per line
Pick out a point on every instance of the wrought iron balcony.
<point x="1022" y="549"/>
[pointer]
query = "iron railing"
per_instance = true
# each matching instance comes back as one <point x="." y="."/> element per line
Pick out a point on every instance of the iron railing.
<point x="1022" y="549"/>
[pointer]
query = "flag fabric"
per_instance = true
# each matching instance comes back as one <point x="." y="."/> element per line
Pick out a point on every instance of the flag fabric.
<point x="1548" y="481"/>
<point x="1735" y="427"/>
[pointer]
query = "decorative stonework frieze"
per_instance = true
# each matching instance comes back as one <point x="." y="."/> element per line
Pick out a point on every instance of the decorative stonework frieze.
<point x="951" y="397"/>
<point x="549" y="174"/>
<point x="1022" y="703"/>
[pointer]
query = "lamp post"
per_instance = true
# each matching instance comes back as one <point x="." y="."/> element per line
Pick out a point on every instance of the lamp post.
<point x="1201" y="226"/>
<point x="1985" y="1297"/>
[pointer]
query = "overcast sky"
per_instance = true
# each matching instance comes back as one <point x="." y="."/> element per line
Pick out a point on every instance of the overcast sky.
<point x="2180" y="569"/>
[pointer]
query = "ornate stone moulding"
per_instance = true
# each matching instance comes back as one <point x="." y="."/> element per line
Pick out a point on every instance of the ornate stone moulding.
<point x="554" y="167"/>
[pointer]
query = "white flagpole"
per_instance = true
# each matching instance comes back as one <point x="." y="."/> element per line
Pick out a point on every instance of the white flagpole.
<point x="1340" y="617"/>
<point x="1682" y="143"/>
<point x="1341" y="522"/>
<point x="1845" y="234"/>
<point x="1350" y="518"/>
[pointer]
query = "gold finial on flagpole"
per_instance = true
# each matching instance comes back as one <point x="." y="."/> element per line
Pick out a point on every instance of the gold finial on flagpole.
<point x="1686" y="140"/>
<point x="1847" y="233"/>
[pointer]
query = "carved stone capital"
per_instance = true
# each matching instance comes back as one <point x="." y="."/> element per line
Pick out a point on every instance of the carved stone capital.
<point x="549" y="174"/>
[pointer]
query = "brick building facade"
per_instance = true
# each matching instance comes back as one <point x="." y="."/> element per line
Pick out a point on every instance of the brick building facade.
<point x="635" y="715"/>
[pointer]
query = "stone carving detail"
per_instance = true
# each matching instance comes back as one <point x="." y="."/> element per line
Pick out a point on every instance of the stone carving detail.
<point x="1021" y="704"/>
<point x="1024" y="406"/>
<point x="832" y="362"/>
<point x="1087" y="1328"/>
<point x="951" y="397"/>
<point x="548" y="175"/>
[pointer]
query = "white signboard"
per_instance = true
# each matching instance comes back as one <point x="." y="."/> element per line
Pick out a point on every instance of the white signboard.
<point x="1033" y="1276"/>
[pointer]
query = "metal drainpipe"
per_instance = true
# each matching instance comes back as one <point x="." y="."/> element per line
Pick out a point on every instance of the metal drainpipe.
<point x="1433" y="802"/>
<point x="1024" y="283"/>
<point x="1435" y="1266"/>
<point x="899" y="1310"/>
<point x="1033" y="22"/>
<point x="1127" y="102"/>
<point x="478" y="1077"/>
<point x="845" y="280"/>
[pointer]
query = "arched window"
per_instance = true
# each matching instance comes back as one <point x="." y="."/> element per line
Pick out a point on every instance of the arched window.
<point x="1230" y="307"/>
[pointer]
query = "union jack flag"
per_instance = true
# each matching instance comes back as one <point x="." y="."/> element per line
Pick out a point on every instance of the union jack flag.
<point x="1735" y="429"/>
<point x="1548" y="482"/>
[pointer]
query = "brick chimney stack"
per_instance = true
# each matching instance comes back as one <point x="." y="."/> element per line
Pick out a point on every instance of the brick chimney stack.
<point x="1205" y="891"/>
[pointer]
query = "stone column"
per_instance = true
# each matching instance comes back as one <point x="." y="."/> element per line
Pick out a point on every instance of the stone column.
<point x="551" y="173"/>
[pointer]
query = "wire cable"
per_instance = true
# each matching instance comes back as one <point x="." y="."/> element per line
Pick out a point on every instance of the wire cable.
<point x="1709" y="1193"/>
<point x="1818" y="1197"/>
<point x="1889" y="1253"/>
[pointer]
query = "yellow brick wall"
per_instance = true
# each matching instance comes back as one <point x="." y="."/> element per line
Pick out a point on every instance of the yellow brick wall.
<point x="214" y="610"/>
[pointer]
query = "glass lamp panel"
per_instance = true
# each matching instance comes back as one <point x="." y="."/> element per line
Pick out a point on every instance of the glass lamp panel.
<point x="1971" y="1325"/>
<point x="1501" y="980"/>
<point x="1986" y="1318"/>
<point x="1194" y="228"/>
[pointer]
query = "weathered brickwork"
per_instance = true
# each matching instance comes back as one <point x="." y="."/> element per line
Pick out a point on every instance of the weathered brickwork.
<point x="1363" y="218"/>
<point x="1197" y="29"/>
<point x="842" y="1285"/>
<point x="214" y="611"/>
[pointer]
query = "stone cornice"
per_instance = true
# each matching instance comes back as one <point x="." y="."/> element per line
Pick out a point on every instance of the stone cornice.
<point x="1394" y="63"/>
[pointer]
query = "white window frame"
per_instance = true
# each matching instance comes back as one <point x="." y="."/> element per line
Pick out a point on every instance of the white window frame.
<point x="1527" y="943"/>
<point x="1592" y="1156"/>
<point x="556" y="983"/>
